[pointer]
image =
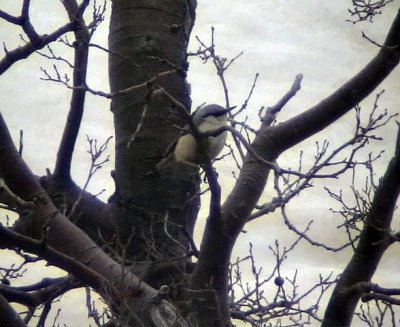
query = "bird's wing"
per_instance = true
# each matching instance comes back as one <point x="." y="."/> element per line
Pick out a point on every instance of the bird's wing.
<point x="171" y="146"/>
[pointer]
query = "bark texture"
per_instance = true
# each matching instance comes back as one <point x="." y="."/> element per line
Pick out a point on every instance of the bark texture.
<point x="147" y="38"/>
<point x="148" y="45"/>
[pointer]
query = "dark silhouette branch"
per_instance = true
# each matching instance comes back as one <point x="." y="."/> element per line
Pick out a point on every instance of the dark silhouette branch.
<point x="81" y="51"/>
<point x="37" y="42"/>
<point x="250" y="302"/>
<point x="40" y="293"/>
<point x="376" y="292"/>
<point x="10" y="18"/>
<point x="59" y="239"/>
<point x="381" y="297"/>
<point x="26" y="50"/>
<point x="271" y="112"/>
<point x="374" y="240"/>
<point x="8" y="316"/>
<point x="213" y="263"/>
<point x="10" y="239"/>
<point x="24" y="21"/>
<point x="345" y="98"/>
<point x="366" y="10"/>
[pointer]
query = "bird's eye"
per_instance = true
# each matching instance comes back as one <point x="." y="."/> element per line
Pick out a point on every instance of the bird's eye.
<point x="219" y="113"/>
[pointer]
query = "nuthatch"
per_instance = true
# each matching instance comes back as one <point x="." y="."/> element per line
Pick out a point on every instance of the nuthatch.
<point x="206" y="119"/>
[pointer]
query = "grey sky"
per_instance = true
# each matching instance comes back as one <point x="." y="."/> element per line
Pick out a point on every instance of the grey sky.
<point x="280" y="38"/>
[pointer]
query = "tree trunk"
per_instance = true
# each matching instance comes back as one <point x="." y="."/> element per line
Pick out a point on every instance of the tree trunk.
<point x="148" y="44"/>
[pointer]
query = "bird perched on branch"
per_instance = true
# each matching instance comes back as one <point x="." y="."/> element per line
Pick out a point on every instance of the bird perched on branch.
<point x="187" y="150"/>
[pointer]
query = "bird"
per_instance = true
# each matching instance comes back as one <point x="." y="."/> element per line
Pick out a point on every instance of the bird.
<point x="186" y="149"/>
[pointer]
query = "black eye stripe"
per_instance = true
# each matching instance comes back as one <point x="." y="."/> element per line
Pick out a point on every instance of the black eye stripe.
<point x="217" y="114"/>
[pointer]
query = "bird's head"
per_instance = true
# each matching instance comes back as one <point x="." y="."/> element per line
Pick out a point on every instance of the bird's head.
<point x="210" y="111"/>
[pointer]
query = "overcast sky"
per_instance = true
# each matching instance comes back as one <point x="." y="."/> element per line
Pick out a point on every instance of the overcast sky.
<point x="279" y="38"/>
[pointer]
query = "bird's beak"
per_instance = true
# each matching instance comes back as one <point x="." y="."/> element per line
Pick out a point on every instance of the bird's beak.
<point x="229" y="109"/>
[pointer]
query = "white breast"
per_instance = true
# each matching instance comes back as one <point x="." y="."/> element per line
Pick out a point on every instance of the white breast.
<point x="186" y="147"/>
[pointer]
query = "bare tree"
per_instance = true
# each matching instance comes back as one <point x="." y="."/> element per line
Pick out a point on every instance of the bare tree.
<point x="136" y="251"/>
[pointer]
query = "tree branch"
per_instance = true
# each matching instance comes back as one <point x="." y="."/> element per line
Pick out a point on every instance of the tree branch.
<point x="40" y="293"/>
<point x="73" y="250"/>
<point x="270" y="142"/>
<point x="10" y="239"/>
<point x="345" y="98"/>
<point x="374" y="240"/>
<point x="8" y="316"/>
<point x="81" y="48"/>
<point x="36" y="41"/>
